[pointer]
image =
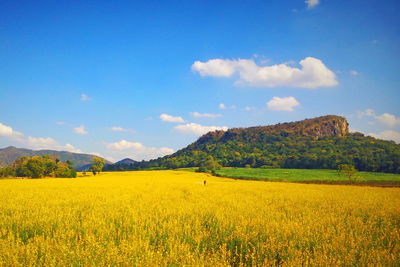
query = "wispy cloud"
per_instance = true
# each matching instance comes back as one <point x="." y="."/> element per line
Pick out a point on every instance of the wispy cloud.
<point x="354" y="72"/>
<point x="222" y="106"/>
<point x="42" y="142"/>
<point x="136" y="150"/>
<point x="387" y="135"/>
<point x="121" y="129"/>
<point x="170" y="118"/>
<point x="385" y="118"/>
<point x="311" y="3"/>
<point x="312" y="75"/>
<point x="123" y="145"/>
<point x="49" y="143"/>
<point x="71" y="148"/>
<point x="117" y="129"/>
<point x="249" y="108"/>
<point x="84" y="97"/>
<point x="204" y="115"/>
<point x="80" y="130"/>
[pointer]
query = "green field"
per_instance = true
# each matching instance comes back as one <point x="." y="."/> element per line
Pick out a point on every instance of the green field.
<point x="309" y="176"/>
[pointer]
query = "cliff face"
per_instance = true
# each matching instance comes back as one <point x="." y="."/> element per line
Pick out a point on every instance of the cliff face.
<point x="325" y="126"/>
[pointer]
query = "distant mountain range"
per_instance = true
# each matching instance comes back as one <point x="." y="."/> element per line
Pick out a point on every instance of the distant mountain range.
<point x="80" y="161"/>
<point x="125" y="161"/>
<point x="318" y="143"/>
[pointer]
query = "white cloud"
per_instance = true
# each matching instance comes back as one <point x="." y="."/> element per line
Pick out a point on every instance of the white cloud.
<point x="385" y="118"/>
<point x="8" y="131"/>
<point x="80" y="130"/>
<point x="137" y="151"/>
<point x="313" y="73"/>
<point x="5" y="130"/>
<point x="222" y="106"/>
<point x="204" y="115"/>
<point x="117" y="129"/>
<point x="42" y="143"/>
<point x="311" y="3"/>
<point x="354" y="72"/>
<point x="282" y="104"/>
<point x="388" y="119"/>
<point x="121" y="129"/>
<point x="248" y="108"/>
<point x="169" y="118"/>
<point x="197" y="129"/>
<point x="123" y="145"/>
<point x="35" y="142"/>
<point x="387" y="135"/>
<point x="60" y="123"/>
<point x="84" y="97"/>
<point x="71" y="148"/>
<point x="215" y="67"/>
<point x="49" y="143"/>
<point x="368" y="112"/>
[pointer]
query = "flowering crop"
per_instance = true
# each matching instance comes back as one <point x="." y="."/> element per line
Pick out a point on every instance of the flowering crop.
<point x="151" y="218"/>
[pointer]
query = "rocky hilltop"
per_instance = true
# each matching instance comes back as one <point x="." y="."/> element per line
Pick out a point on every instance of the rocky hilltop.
<point x="325" y="126"/>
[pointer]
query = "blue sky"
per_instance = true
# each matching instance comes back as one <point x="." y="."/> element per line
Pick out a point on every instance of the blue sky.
<point x="142" y="79"/>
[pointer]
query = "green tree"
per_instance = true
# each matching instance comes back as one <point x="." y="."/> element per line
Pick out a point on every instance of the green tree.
<point x="20" y="167"/>
<point x="209" y="165"/>
<point x="97" y="166"/>
<point x="50" y="165"/>
<point x="40" y="166"/>
<point x="36" y="166"/>
<point x="65" y="170"/>
<point x="347" y="170"/>
<point x="7" y="171"/>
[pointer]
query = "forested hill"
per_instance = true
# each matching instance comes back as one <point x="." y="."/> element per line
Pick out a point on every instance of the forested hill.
<point x="319" y="143"/>
<point x="9" y="154"/>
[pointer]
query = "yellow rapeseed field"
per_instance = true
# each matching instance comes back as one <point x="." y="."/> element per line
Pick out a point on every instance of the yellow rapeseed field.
<point x="170" y="218"/>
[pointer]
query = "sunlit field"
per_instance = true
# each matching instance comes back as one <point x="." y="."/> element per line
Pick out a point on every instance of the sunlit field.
<point x="310" y="176"/>
<point x="171" y="218"/>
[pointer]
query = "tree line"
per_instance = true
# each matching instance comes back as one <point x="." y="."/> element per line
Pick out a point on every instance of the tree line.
<point x="37" y="167"/>
<point x="281" y="150"/>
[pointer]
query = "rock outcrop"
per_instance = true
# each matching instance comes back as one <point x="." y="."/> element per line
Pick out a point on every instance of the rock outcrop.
<point x="325" y="126"/>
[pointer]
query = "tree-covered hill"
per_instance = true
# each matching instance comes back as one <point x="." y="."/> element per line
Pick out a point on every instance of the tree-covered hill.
<point x="9" y="154"/>
<point x="319" y="143"/>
